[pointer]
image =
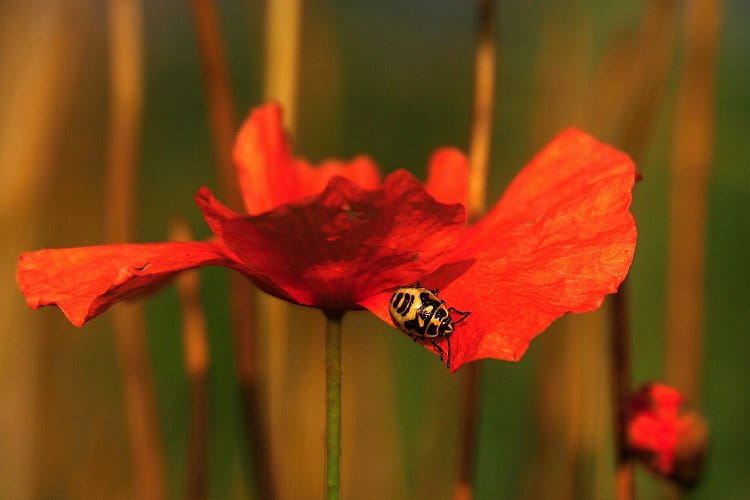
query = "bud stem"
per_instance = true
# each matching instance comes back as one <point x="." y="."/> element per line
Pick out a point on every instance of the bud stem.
<point x="621" y="388"/>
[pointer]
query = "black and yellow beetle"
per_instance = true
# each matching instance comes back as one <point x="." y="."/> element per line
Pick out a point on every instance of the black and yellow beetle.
<point x="422" y="315"/>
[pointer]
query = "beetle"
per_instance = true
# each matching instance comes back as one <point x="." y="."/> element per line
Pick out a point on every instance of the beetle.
<point x="423" y="315"/>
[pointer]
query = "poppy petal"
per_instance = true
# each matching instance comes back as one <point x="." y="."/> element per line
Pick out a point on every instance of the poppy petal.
<point x="264" y="161"/>
<point x="565" y="182"/>
<point x="84" y="282"/>
<point x="361" y="170"/>
<point x="270" y="176"/>
<point x="213" y="210"/>
<point x="448" y="176"/>
<point x="345" y="244"/>
<point x="559" y="240"/>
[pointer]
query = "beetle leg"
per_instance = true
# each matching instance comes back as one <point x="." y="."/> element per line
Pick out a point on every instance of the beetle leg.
<point x="439" y="349"/>
<point x="448" y="339"/>
<point x="463" y="314"/>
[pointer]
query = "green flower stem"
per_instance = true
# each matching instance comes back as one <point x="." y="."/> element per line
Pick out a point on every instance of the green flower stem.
<point x="333" y="405"/>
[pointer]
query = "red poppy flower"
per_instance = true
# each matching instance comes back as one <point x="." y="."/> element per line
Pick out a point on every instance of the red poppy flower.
<point x="336" y="238"/>
<point x="669" y="437"/>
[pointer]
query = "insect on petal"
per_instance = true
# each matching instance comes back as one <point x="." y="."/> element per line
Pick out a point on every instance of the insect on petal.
<point x="559" y="240"/>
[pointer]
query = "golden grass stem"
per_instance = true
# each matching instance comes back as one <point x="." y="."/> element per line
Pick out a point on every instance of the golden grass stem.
<point x="484" y="107"/>
<point x="221" y="110"/>
<point x="283" y="26"/>
<point x="126" y="103"/>
<point x="125" y="28"/>
<point x="37" y="95"/>
<point x="283" y="34"/>
<point x="479" y="153"/>
<point x="653" y="60"/>
<point x="631" y="77"/>
<point x="692" y="145"/>
<point x="196" y="359"/>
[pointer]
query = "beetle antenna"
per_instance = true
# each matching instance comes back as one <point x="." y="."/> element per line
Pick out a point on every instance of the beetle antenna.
<point x="463" y="314"/>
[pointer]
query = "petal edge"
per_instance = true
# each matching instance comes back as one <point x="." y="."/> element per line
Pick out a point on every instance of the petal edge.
<point x="86" y="281"/>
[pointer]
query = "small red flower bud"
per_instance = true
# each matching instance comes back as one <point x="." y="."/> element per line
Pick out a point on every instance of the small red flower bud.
<point x="667" y="435"/>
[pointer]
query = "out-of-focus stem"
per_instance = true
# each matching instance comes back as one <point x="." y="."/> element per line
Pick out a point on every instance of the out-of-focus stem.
<point x="691" y="163"/>
<point x="221" y="109"/>
<point x="282" y="45"/>
<point x="333" y="405"/>
<point x="484" y="107"/>
<point x="470" y="398"/>
<point x="222" y="120"/>
<point x="196" y="358"/>
<point x="653" y="60"/>
<point x="40" y="90"/>
<point x="283" y="30"/>
<point x="479" y="151"/>
<point x="621" y="386"/>
<point x="283" y="26"/>
<point x="631" y="78"/>
<point x="125" y="23"/>
<point x="125" y="115"/>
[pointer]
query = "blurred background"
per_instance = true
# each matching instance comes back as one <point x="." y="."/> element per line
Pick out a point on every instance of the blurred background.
<point x="667" y="81"/>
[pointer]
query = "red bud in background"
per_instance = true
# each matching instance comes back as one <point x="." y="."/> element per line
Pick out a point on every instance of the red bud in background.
<point x="667" y="435"/>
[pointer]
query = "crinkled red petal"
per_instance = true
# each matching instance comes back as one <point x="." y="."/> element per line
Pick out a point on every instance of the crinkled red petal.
<point x="559" y="240"/>
<point x="269" y="174"/>
<point x="344" y="245"/>
<point x="84" y="282"/>
<point x="313" y="179"/>
<point x="448" y="176"/>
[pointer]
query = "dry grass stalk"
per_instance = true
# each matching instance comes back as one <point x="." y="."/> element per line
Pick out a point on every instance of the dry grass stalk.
<point x="126" y="101"/>
<point x="483" y="112"/>
<point x="36" y="92"/>
<point x="630" y="79"/>
<point x="283" y="35"/>
<point x="692" y="148"/>
<point x="221" y="110"/>
<point x="196" y="358"/>
<point x="283" y="32"/>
